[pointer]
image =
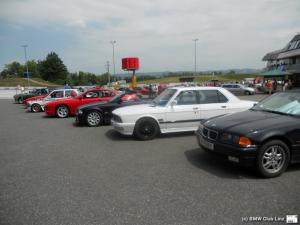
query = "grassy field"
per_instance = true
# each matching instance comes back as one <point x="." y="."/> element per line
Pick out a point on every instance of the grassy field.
<point x="36" y="82"/>
<point x="202" y="78"/>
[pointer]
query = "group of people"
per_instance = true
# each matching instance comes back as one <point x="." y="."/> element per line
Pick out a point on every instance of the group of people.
<point x="153" y="90"/>
<point x="272" y="85"/>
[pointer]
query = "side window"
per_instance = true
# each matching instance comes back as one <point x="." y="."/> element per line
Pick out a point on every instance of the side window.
<point x="187" y="98"/>
<point x="70" y="93"/>
<point x="106" y="94"/>
<point x="57" y="94"/>
<point x="208" y="96"/>
<point x="92" y="94"/>
<point x="222" y="98"/>
<point x="211" y="96"/>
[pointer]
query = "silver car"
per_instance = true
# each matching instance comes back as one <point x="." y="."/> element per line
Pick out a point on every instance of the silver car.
<point x="239" y="89"/>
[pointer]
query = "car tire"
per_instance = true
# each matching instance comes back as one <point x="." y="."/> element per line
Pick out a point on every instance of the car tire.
<point x="36" y="108"/>
<point x="273" y="158"/>
<point x="247" y="93"/>
<point x="62" y="111"/>
<point x="20" y="100"/>
<point x="93" y="119"/>
<point x="146" y="129"/>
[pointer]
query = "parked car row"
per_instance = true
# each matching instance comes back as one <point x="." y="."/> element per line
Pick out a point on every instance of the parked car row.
<point x="265" y="135"/>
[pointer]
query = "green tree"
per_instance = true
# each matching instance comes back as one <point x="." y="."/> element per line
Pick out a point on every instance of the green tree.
<point x="14" y="69"/>
<point x="53" y="69"/>
<point x="33" y="68"/>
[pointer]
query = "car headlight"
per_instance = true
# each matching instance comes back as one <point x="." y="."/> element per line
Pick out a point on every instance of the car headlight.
<point x="117" y="118"/>
<point x="227" y="137"/>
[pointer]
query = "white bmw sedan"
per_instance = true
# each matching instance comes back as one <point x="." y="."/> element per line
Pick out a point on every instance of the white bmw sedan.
<point x="177" y="109"/>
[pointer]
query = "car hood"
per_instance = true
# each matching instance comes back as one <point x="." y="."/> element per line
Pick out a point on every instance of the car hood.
<point x="138" y="109"/>
<point x="250" y="121"/>
<point x="92" y="105"/>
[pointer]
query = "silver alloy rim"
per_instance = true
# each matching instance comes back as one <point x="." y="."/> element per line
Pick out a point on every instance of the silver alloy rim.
<point x="62" y="111"/>
<point x="93" y="118"/>
<point x="273" y="159"/>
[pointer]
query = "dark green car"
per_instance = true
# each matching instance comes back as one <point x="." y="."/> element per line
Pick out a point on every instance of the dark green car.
<point x="19" y="98"/>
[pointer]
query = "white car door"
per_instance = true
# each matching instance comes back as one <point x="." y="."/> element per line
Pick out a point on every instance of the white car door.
<point x="212" y="103"/>
<point x="184" y="115"/>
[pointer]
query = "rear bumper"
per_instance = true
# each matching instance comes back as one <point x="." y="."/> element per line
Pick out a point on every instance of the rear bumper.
<point x="240" y="155"/>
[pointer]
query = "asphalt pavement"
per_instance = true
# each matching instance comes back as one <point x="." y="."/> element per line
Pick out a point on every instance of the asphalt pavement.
<point x="54" y="172"/>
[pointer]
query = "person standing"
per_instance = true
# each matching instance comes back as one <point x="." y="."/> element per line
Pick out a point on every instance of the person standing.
<point x="274" y="85"/>
<point x="269" y="86"/>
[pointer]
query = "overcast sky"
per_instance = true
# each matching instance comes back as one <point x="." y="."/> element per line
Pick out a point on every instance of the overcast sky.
<point x="231" y="33"/>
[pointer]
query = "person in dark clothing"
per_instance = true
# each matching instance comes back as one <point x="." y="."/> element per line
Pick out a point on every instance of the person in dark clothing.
<point x="275" y="85"/>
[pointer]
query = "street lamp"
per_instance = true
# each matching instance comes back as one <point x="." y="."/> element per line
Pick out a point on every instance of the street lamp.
<point x="195" y="40"/>
<point x="25" y="53"/>
<point x="113" y="45"/>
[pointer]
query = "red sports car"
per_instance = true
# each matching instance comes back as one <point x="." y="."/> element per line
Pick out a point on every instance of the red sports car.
<point x="67" y="107"/>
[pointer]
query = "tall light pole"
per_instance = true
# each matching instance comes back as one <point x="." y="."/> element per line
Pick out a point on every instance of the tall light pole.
<point x="107" y="69"/>
<point x="113" y="59"/>
<point x="25" y="53"/>
<point x="195" y="40"/>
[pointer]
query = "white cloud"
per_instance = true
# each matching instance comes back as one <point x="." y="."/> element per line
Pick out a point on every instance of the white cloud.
<point x="231" y="33"/>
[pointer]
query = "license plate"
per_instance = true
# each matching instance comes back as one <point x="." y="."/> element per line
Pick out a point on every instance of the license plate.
<point x="206" y="144"/>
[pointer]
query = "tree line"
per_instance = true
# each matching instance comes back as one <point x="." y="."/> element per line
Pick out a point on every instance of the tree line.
<point x="53" y="69"/>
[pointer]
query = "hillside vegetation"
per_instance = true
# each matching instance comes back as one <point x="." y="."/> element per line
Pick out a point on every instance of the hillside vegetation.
<point x="35" y="82"/>
<point x="201" y="78"/>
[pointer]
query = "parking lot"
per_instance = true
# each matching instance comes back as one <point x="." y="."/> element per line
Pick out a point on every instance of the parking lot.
<point x="54" y="172"/>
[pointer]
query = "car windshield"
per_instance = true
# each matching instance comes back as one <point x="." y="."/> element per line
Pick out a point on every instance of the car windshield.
<point x="116" y="98"/>
<point x="282" y="103"/>
<point x="164" y="97"/>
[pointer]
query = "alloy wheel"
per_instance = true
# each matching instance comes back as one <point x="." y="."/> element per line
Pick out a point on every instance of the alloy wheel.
<point x="62" y="111"/>
<point x="93" y="119"/>
<point x="273" y="159"/>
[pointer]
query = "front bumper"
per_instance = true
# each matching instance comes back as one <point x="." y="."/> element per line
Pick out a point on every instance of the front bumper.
<point x="241" y="155"/>
<point x="49" y="111"/>
<point x="79" y="118"/>
<point x="123" y="128"/>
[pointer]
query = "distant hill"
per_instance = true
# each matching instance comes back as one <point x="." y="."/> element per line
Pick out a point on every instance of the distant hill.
<point x="160" y="74"/>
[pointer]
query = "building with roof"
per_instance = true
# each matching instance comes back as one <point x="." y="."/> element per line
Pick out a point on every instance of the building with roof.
<point x="285" y="62"/>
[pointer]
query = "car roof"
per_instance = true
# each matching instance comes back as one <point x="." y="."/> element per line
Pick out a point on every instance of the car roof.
<point x="231" y="84"/>
<point x="197" y="88"/>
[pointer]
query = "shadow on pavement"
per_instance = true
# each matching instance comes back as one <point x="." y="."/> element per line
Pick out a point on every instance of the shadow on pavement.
<point x="293" y="167"/>
<point x="176" y="135"/>
<point x="218" y="165"/>
<point x="116" y="136"/>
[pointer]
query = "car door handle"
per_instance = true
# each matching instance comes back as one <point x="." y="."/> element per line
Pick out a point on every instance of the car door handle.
<point x="223" y="106"/>
<point x="195" y="108"/>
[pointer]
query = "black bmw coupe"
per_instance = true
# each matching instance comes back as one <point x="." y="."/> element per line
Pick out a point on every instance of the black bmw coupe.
<point x="266" y="136"/>
<point x="100" y="113"/>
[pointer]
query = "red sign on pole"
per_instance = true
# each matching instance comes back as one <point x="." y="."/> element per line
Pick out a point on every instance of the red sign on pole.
<point x="131" y="63"/>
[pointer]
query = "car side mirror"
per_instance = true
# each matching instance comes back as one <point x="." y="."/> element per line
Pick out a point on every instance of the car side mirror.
<point x="174" y="102"/>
